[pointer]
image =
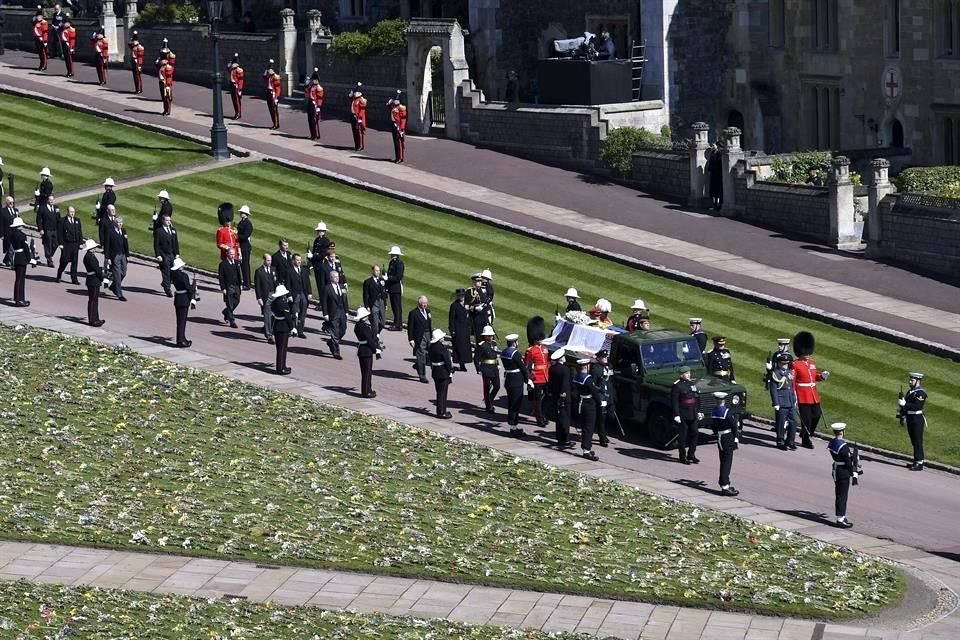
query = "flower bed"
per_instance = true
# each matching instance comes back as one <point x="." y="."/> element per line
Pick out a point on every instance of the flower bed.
<point x="52" y="611"/>
<point x="105" y="447"/>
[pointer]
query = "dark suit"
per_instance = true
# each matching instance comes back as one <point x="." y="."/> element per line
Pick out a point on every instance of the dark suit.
<point x="94" y="279"/>
<point x="104" y="226"/>
<point x="48" y="222"/>
<point x="229" y="278"/>
<point x="183" y="294"/>
<point x="419" y="328"/>
<point x="166" y="246"/>
<point x="7" y="215"/>
<point x="335" y="308"/>
<point x="281" y="264"/>
<point x="326" y="267"/>
<point x="459" y="325"/>
<point x="264" y="284"/>
<point x="70" y="233"/>
<point x="373" y="294"/>
<point x="117" y="249"/>
<point x="298" y="282"/>
<point x="367" y="342"/>
<point x="244" y="233"/>
<point x="395" y="290"/>
<point x="46" y="190"/>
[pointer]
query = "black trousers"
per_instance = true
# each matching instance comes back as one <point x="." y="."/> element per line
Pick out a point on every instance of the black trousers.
<point x="281" y="341"/>
<point x="245" y="250"/>
<point x="841" y="490"/>
<point x="536" y="403"/>
<point x="101" y="69"/>
<point x="514" y="400"/>
<point x="366" y="374"/>
<point x="399" y="146"/>
<point x="182" y="324"/>
<point x="915" y="427"/>
<point x="165" y="265"/>
<point x="68" y="60"/>
<point x="358" y="132"/>
<point x="237" y="98"/>
<point x="42" y="52"/>
<point x="442" y="386"/>
<point x="50" y="244"/>
<point x="20" y="283"/>
<point x="274" y="112"/>
<point x="69" y="254"/>
<point x="231" y="299"/>
<point x="810" y="415"/>
<point x="563" y="422"/>
<point x="726" y="446"/>
<point x="689" y="434"/>
<point x="137" y="80"/>
<point x="312" y="121"/>
<point x="93" y="304"/>
<point x="786" y="425"/>
<point x="588" y="423"/>
<point x="396" y="307"/>
<point x="491" y="387"/>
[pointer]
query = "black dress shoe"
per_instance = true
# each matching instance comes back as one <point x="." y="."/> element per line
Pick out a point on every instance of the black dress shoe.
<point x="684" y="461"/>
<point x="446" y="416"/>
<point x="807" y="445"/>
<point x="74" y="282"/>
<point x="782" y="447"/>
<point x="372" y="394"/>
<point x="98" y="323"/>
<point x="337" y="356"/>
<point x="590" y="455"/>
<point x="843" y="524"/>
<point x="25" y="303"/>
<point x="424" y="380"/>
<point x="729" y="491"/>
<point x="694" y="460"/>
<point x="168" y="293"/>
<point x="302" y="335"/>
<point x="122" y="298"/>
<point x="603" y="443"/>
<point x="792" y="447"/>
<point x="270" y="340"/>
<point x="233" y="325"/>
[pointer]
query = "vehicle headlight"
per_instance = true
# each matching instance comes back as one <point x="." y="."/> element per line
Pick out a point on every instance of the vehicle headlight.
<point x="736" y="400"/>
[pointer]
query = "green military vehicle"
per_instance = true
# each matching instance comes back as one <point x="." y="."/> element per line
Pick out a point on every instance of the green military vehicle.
<point x="645" y="365"/>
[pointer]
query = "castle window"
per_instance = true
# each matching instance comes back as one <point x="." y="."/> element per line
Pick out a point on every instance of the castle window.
<point x="776" y="27"/>
<point x="824" y="20"/>
<point x="820" y="116"/>
<point x="893" y="28"/>
<point x="949" y="29"/>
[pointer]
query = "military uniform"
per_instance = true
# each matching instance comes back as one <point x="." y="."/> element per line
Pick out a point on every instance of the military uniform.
<point x="589" y="399"/>
<point x="358" y="119"/>
<point x="136" y="63"/>
<point x="911" y="410"/>
<point x="184" y="294"/>
<point x="94" y="280"/>
<point x="726" y="427"/>
<point x="21" y="257"/>
<point x="479" y="307"/>
<point x="7" y="216"/>
<point x="685" y="401"/>
<point x="166" y="86"/>
<point x="783" y="396"/>
<point x="282" y="325"/>
<point x="69" y="39"/>
<point x="398" y="121"/>
<point x="487" y="363"/>
<point x="166" y="247"/>
<point x="314" y="96"/>
<point x="783" y="347"/>
<point x="720" y="362"/>
<point x="558" y="384"/>
<point x="698" y="334"/>
<point x="236" y="75"/>
<point x="441" y="370"/>
<point x="41" y="34"/>
<point x="515" y="377"/>
<point x="274" y="87"/>
<point x="394" y="285"/>
<point x="537" y="360"/>
<point x="244" y="235"/>
<point x="367" y="348"/>
<point x="601" y="375"/>
<point x="102" y="52"/>
<point x="846" y="469"/>
<point x="458" y="325"/>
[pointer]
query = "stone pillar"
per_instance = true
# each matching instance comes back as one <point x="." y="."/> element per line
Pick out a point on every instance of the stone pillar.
<point x="879" y="188"/>
<point x="287" y="62"/>
<point x="110" y="31"/>
<point x="131" y="16"/>
<point x="732" y="154"/>
<point x="698" y="164"/>
<point x="312" y="36"/>
<point x="843" y="233"/>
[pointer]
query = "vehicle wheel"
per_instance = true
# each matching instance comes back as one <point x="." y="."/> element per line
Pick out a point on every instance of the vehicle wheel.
<point x="662" y="431"/>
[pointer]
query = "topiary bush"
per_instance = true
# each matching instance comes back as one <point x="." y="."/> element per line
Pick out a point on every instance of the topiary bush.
<point x="389" y="37"/>
<point x="941" y="181"/>
<point x="168" y="12"/>
<point x="351" y="43"/>
<point x="620" y="145"/>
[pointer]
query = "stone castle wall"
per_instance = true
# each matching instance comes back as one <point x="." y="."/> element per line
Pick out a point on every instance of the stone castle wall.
<point x="662" y="173"/>
<point x="915" y="232"/>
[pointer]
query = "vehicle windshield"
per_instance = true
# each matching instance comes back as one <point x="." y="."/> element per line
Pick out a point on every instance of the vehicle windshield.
<point x="670" y="354"/>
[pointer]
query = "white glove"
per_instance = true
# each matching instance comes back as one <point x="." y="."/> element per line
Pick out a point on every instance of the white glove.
<point x="33" y="262"/>
<point x="902" y="402"/>
<point x="97" y="206"/>
<point x="769" y="366"/>
<point x="293" y="332"/>
<point x="676" y="419"/>
<point x="36" y="192"/>
<point x="699" y="415"/>
<point x="530" y="384"/>
<point x="193" y="304"/>
<point x="107" y="283"/>
<point x="379" y="351"/>
<point x="776" y="407"/>
<point x="309" y="255"/>
<point x="733" y="382"/>
<point x="825" y="374"/>
<point x="603" y="403"/>
<point x="736" y="440"/>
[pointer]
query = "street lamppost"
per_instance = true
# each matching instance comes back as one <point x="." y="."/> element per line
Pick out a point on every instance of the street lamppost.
<point x="218" y="132"/>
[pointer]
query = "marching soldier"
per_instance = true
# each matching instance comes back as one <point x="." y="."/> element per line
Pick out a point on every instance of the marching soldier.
<point x="374" y="294"/>
<point x="228" y="275"/>
<point x="102" y="52"/>
<point x="166" y="248"/>
<point x="68" y="38"/>
<point x="21" y="257"/>
<point x="226" y="237"/>
<point x="94" y="281"/>
<point x="398" y="121"/>
<point x="488" y="366"/>
<point x="784" y="398"/>
<point x="719" y="361"/>
<point x="639" y="319"/>
<point x="911" y="410"/>
<point x="487" y="285"/>
<point x="441" y="370"/>
<point x="41" y="34"/>
<point x="358" y="116"/>
<point x="235" y="74"/>
<point x="335" y="308"/>
<point x="479" y="306"/>
<point x="419" y="331"/>
<point x="184" y="298"/>
<point x="601" y="373"/>
<point x="558" y="382"/>
<point x="726" y="427"/>
<point x="573" y="300"/>
<point x="806" y="377"/>
<point x="458" y="323"/>
<point x="136" y="62"/>
<point x="282" y="326"/>
<point x="264" y="283"/>
<point x="44" y="190"/>
<point x="368" y="346"/>
<point x="696" y="330"/>
<point x="244" y="234"/>
<point x="846" y="470"/>
<point x="515" y="377"/>
<point x="686" y="413"/>
<point x="314" y="96"/>
<point x="274" y="86"/>
<point x="783" y="346"/>
<point x="8" y="214"/>
<point x="537" y="360"/>
<point x="316" y="256"/>
<point x="158" y="64"/>
<point x="48" y="223"/>
<point x="588" y="394"/>
<point x="107" y="198"/>
<point x="395" y="270"/>
<point x="69" y="235"/>
<point x="166" y="84"/>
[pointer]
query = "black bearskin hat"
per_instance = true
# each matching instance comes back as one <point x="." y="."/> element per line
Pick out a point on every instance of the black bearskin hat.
<point x="225" y="213"/>
<point x="803" y="344"/>
<point x="536" y="330"/>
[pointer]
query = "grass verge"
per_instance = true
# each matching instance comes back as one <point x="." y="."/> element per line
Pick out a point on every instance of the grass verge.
<point x="531" y="276"/>
<point x="105" y="447"/>
<point x="80" y="149"/>
<point x="54" y="611"/>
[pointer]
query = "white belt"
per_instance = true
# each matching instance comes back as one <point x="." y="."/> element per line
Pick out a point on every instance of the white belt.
<point x="914" y="413"/>
<point x="438" y="364"/>
<point x="18" y="250"/>
<point x="361" y="342"/>
<point x="806" y="384"/>
<point x="180" y="291"/>
<point x="724" y="432"/>
<point x="585" y="397"/>
<point x="511" y="371"/>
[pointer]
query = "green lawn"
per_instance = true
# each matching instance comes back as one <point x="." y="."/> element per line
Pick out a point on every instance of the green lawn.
<point x="105" y="447"/>
<point x="44" y="611"/>
<point x="531" y="277"/>
<point x="81" y="150"/>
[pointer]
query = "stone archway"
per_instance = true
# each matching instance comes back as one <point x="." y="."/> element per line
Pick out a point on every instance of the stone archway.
<point x="422" y="36"/>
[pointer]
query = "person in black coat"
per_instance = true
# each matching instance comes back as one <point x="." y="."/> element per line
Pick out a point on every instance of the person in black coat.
<point x="419" y="329"/>
<point x="573" y="300"/>
<point x="48" y="223"/>
<point x="458" y="323"/>
<point x="117" y="249"/>
<point x="94" y="281"/>
<point x="367" y="348"/>
<point x="44" y="190"/>
<point x="264" y="283"/>
<point x="298" y="282"/>
<point x="184" y="297"/>
<point x="441" y="370"/>
<point x="166" y="247"/>
<point x="282" y="326"/>
<point x="70" y="235"/>
<point x="228" y="275"/>
<point x="515" y="378"/>
<point x="395" y="272"/>
<point x="21" y="257"/>
<point x="374" y="293"/>
<point x="244" y="233"/>
<point x="166" y="209"/>
<point x="8" y="214"/>
<point x="335" y="308"/>
<point x="316" y="255"/>
<point x="486" y="360"/>
<point x="558" y="386"/>
<point x="281" y="260"/>
<point x="108" y="199"/>
<point x="105" y="226"/>
<point x="715" y="171"/>
<point x="330" y="264"/>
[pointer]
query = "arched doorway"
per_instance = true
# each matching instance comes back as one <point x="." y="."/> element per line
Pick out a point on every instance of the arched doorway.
<point x="423" y="37"/>
<point x="896" y="134"/>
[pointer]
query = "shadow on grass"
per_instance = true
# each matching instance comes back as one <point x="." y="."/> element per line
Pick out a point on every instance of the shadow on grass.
<point x="145" y="147"/>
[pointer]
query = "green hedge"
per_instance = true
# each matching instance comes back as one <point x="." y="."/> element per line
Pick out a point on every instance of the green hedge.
<point x="620" y="145"/>
<point x="167" y="12"/>
<point x="387" y="37"/>
<point x="941" y="181"/>
<point x="809" y="167"/>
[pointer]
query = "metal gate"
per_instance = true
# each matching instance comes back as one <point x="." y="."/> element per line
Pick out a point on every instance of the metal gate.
<point x="438" y="116"/>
